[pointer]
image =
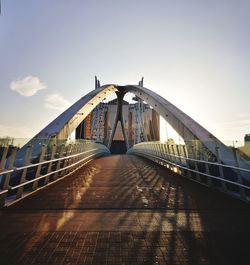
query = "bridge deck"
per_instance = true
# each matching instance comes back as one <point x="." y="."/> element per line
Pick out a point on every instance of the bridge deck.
<point x="125" y="210"/>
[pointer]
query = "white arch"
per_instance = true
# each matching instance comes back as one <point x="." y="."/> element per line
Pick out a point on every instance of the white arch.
<point x="66" y="123"/>
<point x="185" y="126"/>
<point x="188" y="129"/>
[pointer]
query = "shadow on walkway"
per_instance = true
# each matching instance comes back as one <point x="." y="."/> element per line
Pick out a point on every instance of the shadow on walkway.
<point x="125" y="210"/>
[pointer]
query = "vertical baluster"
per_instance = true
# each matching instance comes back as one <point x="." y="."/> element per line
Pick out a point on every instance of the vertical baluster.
<point x="74" y="151"/>
<point x="2" y="167"/>
<point x="154" y="152"/>
<point x="73" y="160"/>
<point x="178" y="153"/>
<point x="59" y="163"/>
<point x="161" y="151"/>
<point x="24" y="173"/>
<point x="67" y="160"/>
<point x="166" y="155"/>
<point x="170" y="158"/>
<point x="158" y="153"/>
<point x="3" y="158"/>
<point x="6" y="178"/>
<point x="80" y="150"/>
<point x="152" y="149"/>
<point x="38" y="169"/>
<point x="52" y="156"/>
<point x="223" y="184"/>
<point x="174" y="154"/>
<point x="197" y="175"/>
<point x="187" y="161"/>
<point x="207" y="170"/>
<point x="239" y="180"/>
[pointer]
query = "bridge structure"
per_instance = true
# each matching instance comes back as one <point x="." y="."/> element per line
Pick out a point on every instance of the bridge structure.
<point x="65" y="202"/>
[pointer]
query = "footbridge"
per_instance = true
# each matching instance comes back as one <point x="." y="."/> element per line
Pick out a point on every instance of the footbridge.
<point x="75" y="202"/>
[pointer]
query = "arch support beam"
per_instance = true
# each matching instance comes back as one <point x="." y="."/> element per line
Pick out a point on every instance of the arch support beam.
<point x="185" y="126"/>
<point x="65" y="124"/>
<point x="119" y="118"/>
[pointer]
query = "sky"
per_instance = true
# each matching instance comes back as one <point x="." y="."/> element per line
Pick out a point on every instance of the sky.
<point x="195" y="53"/>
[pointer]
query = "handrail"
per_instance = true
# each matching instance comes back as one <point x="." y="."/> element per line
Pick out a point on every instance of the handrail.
<point x="208" y="162"/>
<point x="195" y="171"/>
<point x="62" y="161"/>
<point x="53" y="172"/>
<point x="201" y="171"/>
<point x="44" y="162"/>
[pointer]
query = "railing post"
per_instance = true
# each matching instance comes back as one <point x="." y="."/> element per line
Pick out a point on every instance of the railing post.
<point x="242" y="190"/>
<point x="187" y="161"/>
<point x="59" y="162"/>
<point x="174" y="158"/>
<point x="198" y="178"/>
<point x="178" y="153"/>
<point x="162" y="154"/>
<point x="159" y="154"/>
<point x="24" y="173"/>
<point x="66" y="161"/>
<point x="2" y="167"/>
<point x="52" y="156"/>
<point x="170" y="154"/>
<point x="38" y="170"/>
<point x="166" y="155"/>
<point x="209" y="181"/>
<point x="6" y="177"/>
<point x="69" y="160"/>
<point x="75" y="151"/>
<point x="150" y="149"/>
<point x="154" y="152"/>
<point x="218" y="155"/>
<point x="3" y="158"/>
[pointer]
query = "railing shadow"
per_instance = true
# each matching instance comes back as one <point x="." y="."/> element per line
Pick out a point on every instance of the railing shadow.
<point x="129" y="212"/>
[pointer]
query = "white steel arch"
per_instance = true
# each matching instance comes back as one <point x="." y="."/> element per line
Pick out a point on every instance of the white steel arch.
<point x="66" y="123"/>
<point x="185" y="126"/>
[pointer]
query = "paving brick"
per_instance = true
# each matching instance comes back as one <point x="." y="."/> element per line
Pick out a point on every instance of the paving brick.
<point x="114" y="211"/>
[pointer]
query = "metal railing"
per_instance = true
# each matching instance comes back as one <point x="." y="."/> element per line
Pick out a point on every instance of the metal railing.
<point x="54" y="162"/>
<point x="232" y="180"/>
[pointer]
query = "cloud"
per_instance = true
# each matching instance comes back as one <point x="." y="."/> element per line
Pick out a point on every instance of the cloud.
<point x="57" y="102"/>
<point x="28" y="86"/>
<point x="15" y="131"/>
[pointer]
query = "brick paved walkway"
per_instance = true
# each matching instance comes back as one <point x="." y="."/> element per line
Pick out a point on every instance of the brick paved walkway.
<point x="125" y="210"/>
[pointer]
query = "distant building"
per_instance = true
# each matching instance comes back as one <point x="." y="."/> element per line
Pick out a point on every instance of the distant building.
<point x="141" y="122"/>
<point x="6" y="141"/>
<point x="247" y="139"/>
<point x="245" y="150"/>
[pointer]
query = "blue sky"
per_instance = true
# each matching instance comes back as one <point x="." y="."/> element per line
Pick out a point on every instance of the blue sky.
<point x="194" y="53"/>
